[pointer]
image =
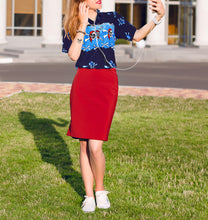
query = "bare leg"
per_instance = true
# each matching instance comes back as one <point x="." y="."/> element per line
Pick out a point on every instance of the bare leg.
<point x="97" y="161"/>
<point x="86" y="170"/>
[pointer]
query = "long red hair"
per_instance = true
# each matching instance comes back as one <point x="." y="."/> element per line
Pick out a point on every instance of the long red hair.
<point x="71" y="19"/>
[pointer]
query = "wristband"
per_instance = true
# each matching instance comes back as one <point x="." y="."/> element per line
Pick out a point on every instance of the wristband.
<point x="82" y="32"/>
<point x="155" y="21"/>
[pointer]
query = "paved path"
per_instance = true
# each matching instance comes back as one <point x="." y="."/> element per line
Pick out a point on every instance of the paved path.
<point x="168" y="75"/>
<point x="9" y="88"/>
<point x="150" y="79"/>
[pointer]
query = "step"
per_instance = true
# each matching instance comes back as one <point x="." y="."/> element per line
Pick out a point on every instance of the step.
<point x="40" y="55"/>
<point x="120" y="52"/>
<point x="9" y="54"/>
<point x="5" y="60"/>
<point x="53" y="54"/>
<point x="44" y="60"/>
<point x="31" y="50"/>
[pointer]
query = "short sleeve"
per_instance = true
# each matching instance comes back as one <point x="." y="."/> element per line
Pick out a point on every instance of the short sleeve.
<point x="67" y="41"/>
<point x="123" y="29"/>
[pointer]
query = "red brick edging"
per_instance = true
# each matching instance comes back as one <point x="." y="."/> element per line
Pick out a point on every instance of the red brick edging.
<point x="10" y="88"/>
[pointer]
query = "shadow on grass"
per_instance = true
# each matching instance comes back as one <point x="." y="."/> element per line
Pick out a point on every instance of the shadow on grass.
<point x="52" y="147"/>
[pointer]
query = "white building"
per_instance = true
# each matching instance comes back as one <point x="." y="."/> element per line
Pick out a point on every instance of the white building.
<point x="185" y="20"/>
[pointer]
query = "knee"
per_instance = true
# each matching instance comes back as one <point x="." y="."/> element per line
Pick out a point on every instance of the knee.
<point x="83" y="146"/>
<point x="95" y="150"/>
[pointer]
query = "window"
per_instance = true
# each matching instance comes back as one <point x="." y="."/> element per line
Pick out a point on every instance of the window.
<point x="135" y="13"/>
<point x="173" y="37"/>
<point x="124" y="10"/>
<point x="181" y="21"/>
<point x="24" y="18"/>
<point x="187" y="22"/>
<point x="139" y="14"/>
<point x="64" y="7"/>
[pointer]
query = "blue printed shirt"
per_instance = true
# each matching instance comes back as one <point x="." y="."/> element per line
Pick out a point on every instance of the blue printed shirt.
<point x="99" y="42"/>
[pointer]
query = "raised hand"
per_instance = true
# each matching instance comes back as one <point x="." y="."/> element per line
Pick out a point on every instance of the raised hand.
<point x="83" y="13"/>
<point x="158" y="7"/>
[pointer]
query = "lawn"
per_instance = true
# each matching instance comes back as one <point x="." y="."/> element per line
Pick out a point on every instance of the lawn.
<point x="156" y="159"/>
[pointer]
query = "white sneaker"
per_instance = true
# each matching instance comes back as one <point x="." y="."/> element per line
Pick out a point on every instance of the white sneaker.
<point x="102" y="199"/>
<point x="88" y="204"/>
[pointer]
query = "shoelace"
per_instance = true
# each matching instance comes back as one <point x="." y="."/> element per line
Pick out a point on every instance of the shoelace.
<point x="103" y="196"/>
<point x="85" y="201"/>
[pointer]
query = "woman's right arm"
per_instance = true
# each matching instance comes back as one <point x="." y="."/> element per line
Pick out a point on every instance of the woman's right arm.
<point x="158" y="7"/>
<point x="76" y="46"/>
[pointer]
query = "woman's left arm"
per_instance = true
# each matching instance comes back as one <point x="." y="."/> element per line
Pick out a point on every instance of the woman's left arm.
<point x="158" y="7"/>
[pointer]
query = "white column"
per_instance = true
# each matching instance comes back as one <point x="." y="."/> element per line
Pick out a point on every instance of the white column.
<point x="3" y="13"/>
<point x="108" y="5"/>
<point x="157" y="36"/>
<point x="52" y="22"/>
<point x="201" y="23"/>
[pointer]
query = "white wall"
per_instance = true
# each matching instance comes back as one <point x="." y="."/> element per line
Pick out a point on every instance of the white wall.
<point x="157" y="36"/>
<point x="52" y="22"/>
<point x="108" y="5"/>
<point x="201" y="23"/>
<point x="3" y="10"/>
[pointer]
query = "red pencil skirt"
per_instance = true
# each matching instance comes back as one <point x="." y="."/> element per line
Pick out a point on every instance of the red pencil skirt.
<point x="93" y="101"/>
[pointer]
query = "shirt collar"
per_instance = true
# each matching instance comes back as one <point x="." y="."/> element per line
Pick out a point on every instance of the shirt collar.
<point x="96" y="19"/>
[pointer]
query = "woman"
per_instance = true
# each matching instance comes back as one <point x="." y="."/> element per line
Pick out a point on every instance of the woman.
<point x="89" y="39"/>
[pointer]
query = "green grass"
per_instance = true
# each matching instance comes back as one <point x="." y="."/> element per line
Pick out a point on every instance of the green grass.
<point x="156" y="159"/>
<point x="122" y="41"/>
